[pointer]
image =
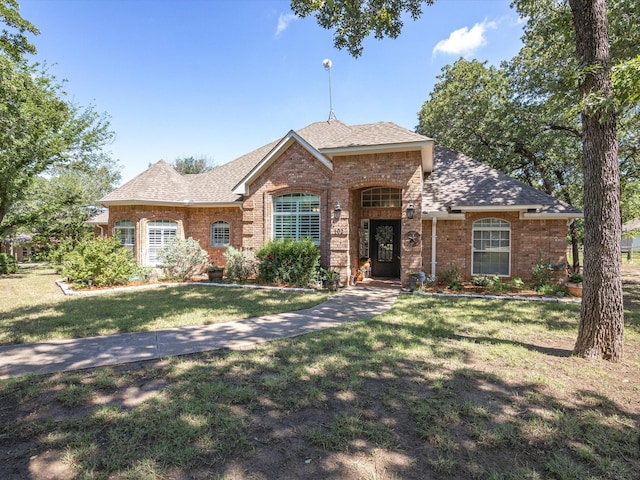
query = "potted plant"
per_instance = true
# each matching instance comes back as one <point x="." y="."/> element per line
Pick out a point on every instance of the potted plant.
<point x="214" y="272"/>
<point x="574" y="284"/>
<point x="416" y="279"/>
<point x="331" y="278"/>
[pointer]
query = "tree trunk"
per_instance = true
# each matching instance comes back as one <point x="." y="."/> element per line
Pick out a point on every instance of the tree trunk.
<point x="601" y="329"/>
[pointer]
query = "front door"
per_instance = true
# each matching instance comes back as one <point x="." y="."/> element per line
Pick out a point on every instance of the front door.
<point x="385" y="248"/>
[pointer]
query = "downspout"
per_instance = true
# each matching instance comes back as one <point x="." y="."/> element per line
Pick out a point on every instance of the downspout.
<point x="434" y="221"/>
<point x="101" y="231"/>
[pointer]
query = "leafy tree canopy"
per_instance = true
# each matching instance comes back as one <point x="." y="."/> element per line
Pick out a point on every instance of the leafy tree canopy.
<point x="13" y="40"/>
<point x="39" y="128"/>
<point x="190" y="165"/>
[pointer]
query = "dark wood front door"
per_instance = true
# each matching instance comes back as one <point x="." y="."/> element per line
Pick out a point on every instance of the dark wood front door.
<point x="385" y="248"/>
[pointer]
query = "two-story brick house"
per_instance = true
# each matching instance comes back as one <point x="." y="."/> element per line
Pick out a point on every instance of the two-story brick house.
<point x="377" y="191"/>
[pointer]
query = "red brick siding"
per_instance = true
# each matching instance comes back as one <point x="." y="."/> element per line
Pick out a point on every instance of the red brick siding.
<point x="195" y="223"/>
<point x="530" y="239"/>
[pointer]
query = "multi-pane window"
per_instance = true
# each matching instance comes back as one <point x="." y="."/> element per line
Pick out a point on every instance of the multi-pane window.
<point x="382" y="197"/>
<point x="125" y="230"/>
<point x="491" y="247"/>
<point x="296" y="216"/>
<point x="219" y="234"/>
<point x="159" y="235"/>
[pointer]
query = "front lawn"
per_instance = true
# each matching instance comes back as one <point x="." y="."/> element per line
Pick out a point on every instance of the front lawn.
<point x="34" y="309"/>
<point x="443" y="388"/>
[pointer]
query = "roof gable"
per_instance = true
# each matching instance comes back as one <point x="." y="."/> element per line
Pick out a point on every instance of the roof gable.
<point x="242" y="188"/>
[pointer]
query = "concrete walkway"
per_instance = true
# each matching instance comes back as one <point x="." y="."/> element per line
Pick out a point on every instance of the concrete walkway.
<point x="64" y="355"/>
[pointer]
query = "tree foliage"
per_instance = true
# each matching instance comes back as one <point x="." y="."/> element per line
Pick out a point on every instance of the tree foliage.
<point x="192" y="165"/>
<point x="353" y="21"/>
<point x="13" y="40"/>
<point x="39" y="128"/>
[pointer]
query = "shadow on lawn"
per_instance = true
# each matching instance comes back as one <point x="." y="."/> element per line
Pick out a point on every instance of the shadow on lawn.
<point x="399" y="396"/>
<point x="143" y="310"/>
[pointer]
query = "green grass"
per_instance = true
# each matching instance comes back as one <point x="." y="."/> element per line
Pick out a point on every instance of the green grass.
<point x="434" y="388"/>
<point x="34" y="309"/>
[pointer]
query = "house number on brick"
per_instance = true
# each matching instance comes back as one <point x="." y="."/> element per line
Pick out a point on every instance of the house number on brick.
<point x="338" y="231"/>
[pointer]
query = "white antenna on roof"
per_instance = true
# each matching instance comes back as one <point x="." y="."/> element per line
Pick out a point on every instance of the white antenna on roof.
<point x="326" y="63"/>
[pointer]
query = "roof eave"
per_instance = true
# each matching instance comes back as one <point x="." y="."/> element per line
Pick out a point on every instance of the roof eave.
<point x="164" y="203"/>
<point x="496" y="208"/>
<point x="551" y="215"/>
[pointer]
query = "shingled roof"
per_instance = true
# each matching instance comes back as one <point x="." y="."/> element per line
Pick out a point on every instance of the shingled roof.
<point x="460" y="183"/>
<point x="456" y="183"/>
<point x="161" y="184"/>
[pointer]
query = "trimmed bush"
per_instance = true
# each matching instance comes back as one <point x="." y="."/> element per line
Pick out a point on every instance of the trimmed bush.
<point x="8" y="264"/>
<point x="181" y="259"/>
<point x="241" y="265"/>
<point x="100" y="262"/>
<point x="289" y="262"/>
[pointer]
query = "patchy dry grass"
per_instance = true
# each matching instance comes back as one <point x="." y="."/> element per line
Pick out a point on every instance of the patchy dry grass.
<point x="34" y="309"/>
<point x="434" y="388"/>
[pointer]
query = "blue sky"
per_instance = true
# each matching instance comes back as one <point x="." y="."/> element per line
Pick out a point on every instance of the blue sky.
<point x="219" y="78"/>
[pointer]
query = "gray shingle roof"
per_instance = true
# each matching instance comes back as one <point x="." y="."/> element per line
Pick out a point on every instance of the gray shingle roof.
<point x="458" y="181"/>
<point x="162" y="184"/>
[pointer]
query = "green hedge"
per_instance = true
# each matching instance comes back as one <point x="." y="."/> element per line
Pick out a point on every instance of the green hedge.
<point x="8" y="264"/>
<point x="288" y="262"/>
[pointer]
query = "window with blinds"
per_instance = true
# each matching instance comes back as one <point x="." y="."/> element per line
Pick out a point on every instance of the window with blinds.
<point x="296" y="216"/>
<point x="491" y="247"/>
<point x="159" y="234"/>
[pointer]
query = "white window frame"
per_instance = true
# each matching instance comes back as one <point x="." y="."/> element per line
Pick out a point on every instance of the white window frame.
<point x="164" y="231"/>
<point x="125" y="230"/>
<point x="296" y="216"/>
<point x="491" y="240"/>
<point x="381" y="197"/>
<point x="220" y="234"/>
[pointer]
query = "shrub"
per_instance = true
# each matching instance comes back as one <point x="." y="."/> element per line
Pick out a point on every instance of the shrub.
<point x="241" y="265"/>
<point x="289" y="262"/>
<point x="102" y="261"/>
<point x="541" y="274"/>
<point x="497" y="285"/>
<point x="59" y="251"/>
<point x="451" y="276"/>
<point x="181" y="259"/>
<point x="574" y="278"/>
<point x="480" y="281"/>
<point x="8" y="264"/>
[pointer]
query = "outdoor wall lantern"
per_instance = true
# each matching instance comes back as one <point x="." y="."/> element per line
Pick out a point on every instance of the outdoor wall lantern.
<point x="411" y="210"/>
<point x="337" y="212"/>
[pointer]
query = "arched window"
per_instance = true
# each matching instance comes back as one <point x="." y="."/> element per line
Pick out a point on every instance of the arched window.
<point x="159" y="235"/>
<point x="491" y="253"/>
<point x="296" y="216"/>
<point x="125" y="230"/>
<point x="382" y="197"/>
<point x="219" y="234"/>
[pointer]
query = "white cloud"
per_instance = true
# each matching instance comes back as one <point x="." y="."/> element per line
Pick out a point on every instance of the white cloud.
<point x="464" y="40"/>
<point x="283" y="22"/>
